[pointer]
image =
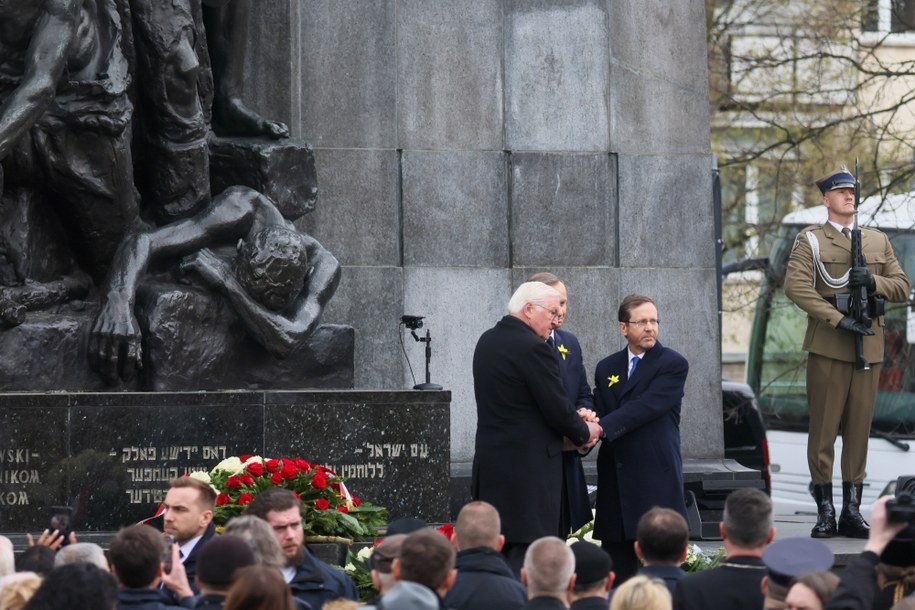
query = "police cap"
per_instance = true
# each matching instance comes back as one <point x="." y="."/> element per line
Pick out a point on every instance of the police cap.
<point x="792" y="557"/>
<point x="841" y="179"/>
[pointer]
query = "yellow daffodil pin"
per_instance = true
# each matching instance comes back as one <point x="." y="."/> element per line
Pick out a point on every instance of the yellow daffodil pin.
<point x="613" y="379"/>
<point x="563" y="351"/>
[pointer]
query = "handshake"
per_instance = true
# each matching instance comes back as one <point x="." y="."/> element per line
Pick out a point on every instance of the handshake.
<point x="594" y="430"/>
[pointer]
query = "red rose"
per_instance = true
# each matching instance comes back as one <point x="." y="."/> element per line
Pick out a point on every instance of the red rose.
<point x="272" y="465"/>
<point x="233" y="482"/>
<point x="246" y="479"/>
<point x="245" y="457"/>
<point x="256" y="469"/>
<point x="342" y="508"/>
<point x="289" y="471"/>
<point x="322" y="504"/>
<point x="319" y="481"/>
<point x="335" y="485"/>
<point x="223" y="499"/>
<point x="357" y="501"/>
<point x="276" y="478"/>
<point x="245" y="499"/>
<point x="296" y="494"/>
<point x="447" y="530"/>
<point x="302" y="465"/>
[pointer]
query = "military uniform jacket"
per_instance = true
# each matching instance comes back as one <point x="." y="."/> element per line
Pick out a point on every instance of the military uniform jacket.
<point x="805" y="287"/>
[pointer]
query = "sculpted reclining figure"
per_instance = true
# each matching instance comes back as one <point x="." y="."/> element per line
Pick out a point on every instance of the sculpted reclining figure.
<point x="279" y="283"/>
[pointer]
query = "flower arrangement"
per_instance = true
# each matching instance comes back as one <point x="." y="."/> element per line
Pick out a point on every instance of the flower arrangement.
<point x="696" y="559"/>
<point x="359" y="569"/>
<point x="329" y="510"/>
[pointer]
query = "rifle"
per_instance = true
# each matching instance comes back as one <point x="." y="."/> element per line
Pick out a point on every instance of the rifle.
<point x="858" y="308"/>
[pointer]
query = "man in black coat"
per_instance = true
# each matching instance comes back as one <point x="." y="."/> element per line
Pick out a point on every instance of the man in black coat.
<point x="575" y="510"/>
<point x="593" y="577"/>
<point x="311" y="580"/>
<point x="483" y="580"/>
<point x="735" y="584"/>
<point x="523" y="416"/>
<point x="548" y="574"/>
<point x="136" y="560"/>
<point x="188" y="519"/>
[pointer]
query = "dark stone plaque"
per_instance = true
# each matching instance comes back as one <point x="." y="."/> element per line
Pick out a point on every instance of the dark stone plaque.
<point x="394" y="449"/>
<point x="110" y="455"/>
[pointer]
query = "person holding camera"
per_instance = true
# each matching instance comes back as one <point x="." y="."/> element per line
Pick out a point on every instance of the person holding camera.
<point x="818" y="280"/>
<point x="858" y="582"/>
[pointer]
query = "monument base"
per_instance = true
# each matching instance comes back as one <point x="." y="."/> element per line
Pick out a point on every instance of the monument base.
<point x="110" y="455"/>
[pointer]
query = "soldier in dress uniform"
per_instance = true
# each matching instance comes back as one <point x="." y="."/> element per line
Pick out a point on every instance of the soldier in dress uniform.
<point x="818" y="278"/>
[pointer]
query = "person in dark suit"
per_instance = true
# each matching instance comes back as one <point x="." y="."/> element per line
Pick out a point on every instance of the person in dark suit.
<point x="575" y="509"/>
<point x="736" y="584"/>
<point x="548" y="574"/>
<point x="188" y="519"/>
<point x="637" y="393"/>
<point x="662" y="540"/>
<point x="523" y="416"/>
<point x="593" y="577"/>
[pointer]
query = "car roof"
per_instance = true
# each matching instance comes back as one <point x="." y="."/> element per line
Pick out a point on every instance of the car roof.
<point x="890" y="212"/>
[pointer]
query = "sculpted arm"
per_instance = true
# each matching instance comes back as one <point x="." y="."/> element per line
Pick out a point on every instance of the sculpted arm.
<point x="115" y="339"/>
<point x="45" y="61"/>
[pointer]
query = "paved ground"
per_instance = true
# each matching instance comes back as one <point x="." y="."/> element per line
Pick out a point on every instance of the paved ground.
<point x="793" y="526"/>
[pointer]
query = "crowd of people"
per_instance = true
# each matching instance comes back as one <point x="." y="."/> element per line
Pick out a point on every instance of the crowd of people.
<point x="261" y="562"/>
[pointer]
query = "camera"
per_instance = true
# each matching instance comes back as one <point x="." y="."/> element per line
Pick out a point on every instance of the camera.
<point x="901" y="509"/>
<point x="167" y="553"/>
<point x="412" y="322"/>
<point x="60" y="521"/>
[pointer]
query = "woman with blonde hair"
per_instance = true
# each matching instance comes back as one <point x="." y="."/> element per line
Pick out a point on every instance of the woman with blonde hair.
<point x="642" y="593"/>
<point x="16" y="589"/>
<point x="260" y="537"/>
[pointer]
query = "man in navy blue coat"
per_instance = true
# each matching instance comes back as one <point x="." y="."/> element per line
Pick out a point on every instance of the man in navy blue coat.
<point x="575" y="510"/>
<point x="639" y="465"/>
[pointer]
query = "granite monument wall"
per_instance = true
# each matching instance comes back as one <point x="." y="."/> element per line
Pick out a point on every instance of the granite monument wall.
<point x="463" y="144"/>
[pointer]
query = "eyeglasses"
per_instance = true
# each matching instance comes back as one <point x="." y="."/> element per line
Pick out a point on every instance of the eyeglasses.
<point x="644" y="323"/>
<point x="553" y="313"/>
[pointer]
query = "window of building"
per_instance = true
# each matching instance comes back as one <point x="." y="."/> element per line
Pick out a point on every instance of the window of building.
<point x="889" y="16"/>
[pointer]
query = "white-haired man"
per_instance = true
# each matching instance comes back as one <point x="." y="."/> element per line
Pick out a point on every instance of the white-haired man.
<point x="523" y="417"/>
<point x="548" y="574"/>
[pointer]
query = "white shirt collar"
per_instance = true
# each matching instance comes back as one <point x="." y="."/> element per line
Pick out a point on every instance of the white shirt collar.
<point x="188" y="546"/>
<point x="838" y="226"/>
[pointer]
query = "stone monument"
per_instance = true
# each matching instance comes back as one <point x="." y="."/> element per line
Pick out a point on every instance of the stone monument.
<point x="149" y="247"/>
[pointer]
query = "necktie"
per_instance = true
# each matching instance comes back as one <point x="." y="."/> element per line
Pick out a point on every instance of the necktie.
<point x="551" y="342"/>
<point x="635" y="363"/>
<point x="846" y="232"/>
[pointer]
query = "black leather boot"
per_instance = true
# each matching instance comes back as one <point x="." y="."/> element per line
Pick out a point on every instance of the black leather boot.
<point x="826" y="512"/>
<point x="851" y="523"/>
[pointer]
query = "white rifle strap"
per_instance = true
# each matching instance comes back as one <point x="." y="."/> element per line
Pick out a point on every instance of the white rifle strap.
<point x="832" y="282"/>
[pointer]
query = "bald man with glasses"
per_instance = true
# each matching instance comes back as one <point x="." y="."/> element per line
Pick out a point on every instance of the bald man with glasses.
<point x="637" y="395"/>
